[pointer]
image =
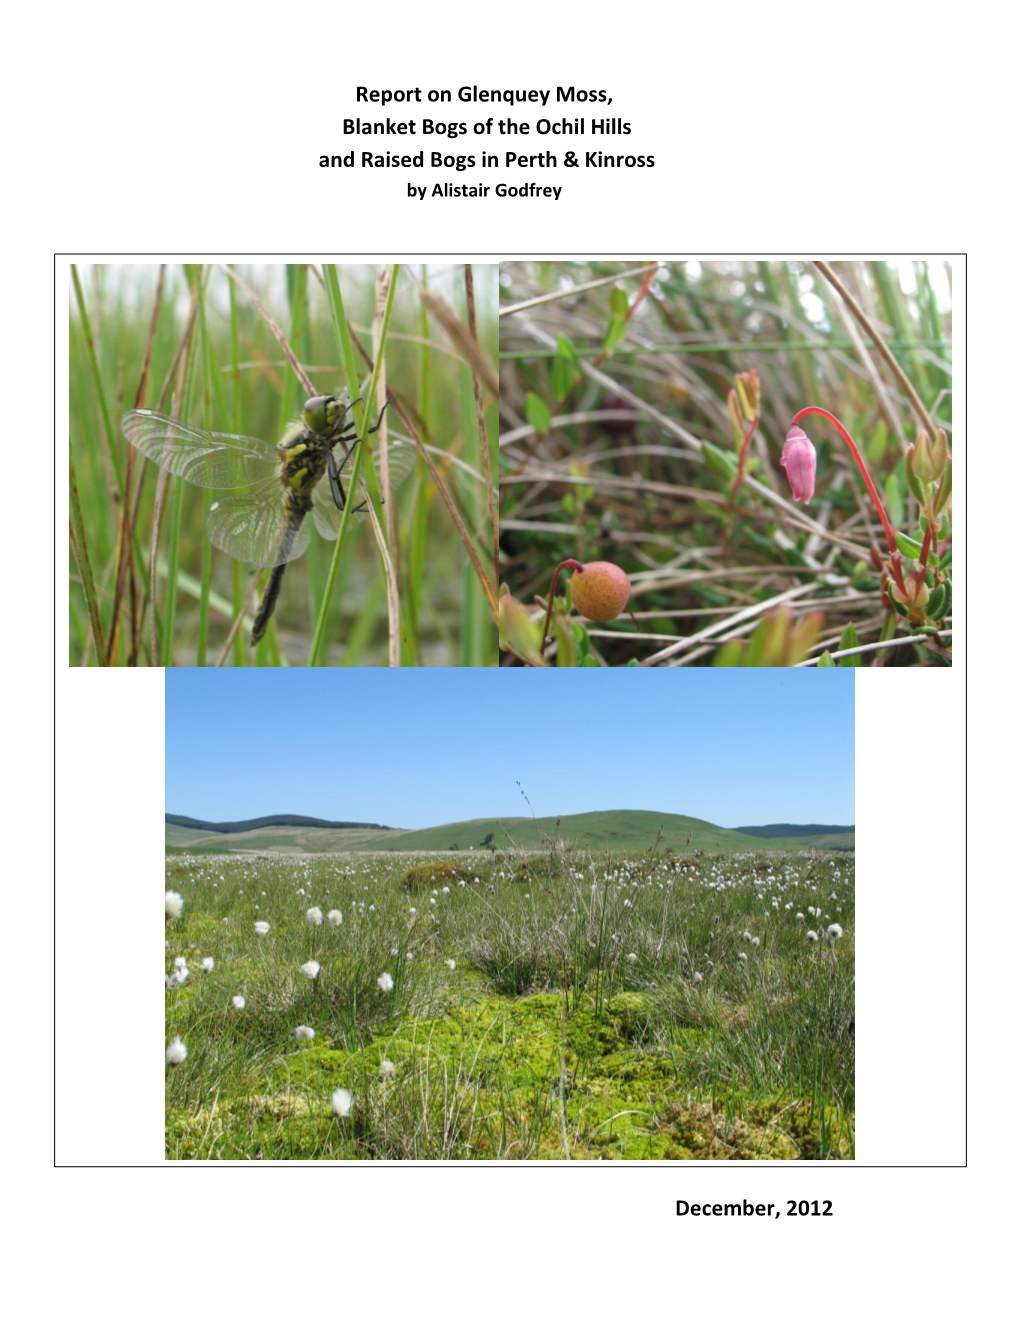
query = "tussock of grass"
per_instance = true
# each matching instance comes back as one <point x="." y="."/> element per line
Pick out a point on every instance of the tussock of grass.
<point x="435" y="873"/>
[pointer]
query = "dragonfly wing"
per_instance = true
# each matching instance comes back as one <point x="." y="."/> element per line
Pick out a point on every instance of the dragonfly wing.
<point x="255" y="528"/>
<point x="402" y="457"/>
<point x="324" y="511"/>
<point x="211" y="459"/>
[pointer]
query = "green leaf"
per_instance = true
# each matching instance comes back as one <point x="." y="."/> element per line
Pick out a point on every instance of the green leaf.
<point x="876" y="443"/>
<point x="589" y="662"/>
<point x="730" y="656"/>
<point x="565" y="349"/>
<point x="565" y="368"/>
<point x="619" y="303"/>
<point x="720" y="463"/>
<point x="938" y="611"/>
<point x="908" y="546"/>
<point x="615" y="335"/>
<point x="709" y="597"/>
<point x="581" y="638"/>
<point x="893" y="498"/>
<point x="846" y="643"/>
<point x="936" y="606"/>
<point x="947" y="488"/>
<point x="826" y="661"/>
<point x="537" y="413"/>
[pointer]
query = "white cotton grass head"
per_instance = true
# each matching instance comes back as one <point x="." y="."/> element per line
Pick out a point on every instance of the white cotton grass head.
<point x="632" y="957"/>
<point x="176" y="1051"/>
<point x="812" y="935"/>
<point x="387" y="1070"/>
<point x="314" y="916"/>
<point x="698" y="978"/>
<point x="342" y="1101"/>
<point x="174" y="905"/>
<point x="451" y="964"/>
<point x="304" y="1033"/>
<point x="180" y="962"/>
<point x="385" y="982"/>
<point x="262" y="928"/>
<point x="208" y="964"/>
<point x="335" y="917"/>
<point x="835" y="931"/>
<point x="238" y="1002"/>
<point x="311" y="969"/>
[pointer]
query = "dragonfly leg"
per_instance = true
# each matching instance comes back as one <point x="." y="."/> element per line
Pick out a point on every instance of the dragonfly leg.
<point x="378" y="422"/>
<point x="336" y="485"/>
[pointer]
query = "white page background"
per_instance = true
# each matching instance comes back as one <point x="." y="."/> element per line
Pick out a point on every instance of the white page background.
<point x="778" y="132"/>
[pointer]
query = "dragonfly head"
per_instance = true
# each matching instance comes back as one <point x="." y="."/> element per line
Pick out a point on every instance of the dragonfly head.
<point x="323" y="412"/>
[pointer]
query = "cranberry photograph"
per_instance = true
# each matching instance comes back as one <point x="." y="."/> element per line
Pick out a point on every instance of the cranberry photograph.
<point x="726" y="462"/>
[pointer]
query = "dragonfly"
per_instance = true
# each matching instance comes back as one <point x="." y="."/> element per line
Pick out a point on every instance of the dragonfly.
<point x="266" y="521"/>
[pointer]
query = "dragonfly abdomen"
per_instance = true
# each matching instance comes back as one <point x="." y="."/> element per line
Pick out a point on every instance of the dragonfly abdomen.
<point x="269" y="597"/>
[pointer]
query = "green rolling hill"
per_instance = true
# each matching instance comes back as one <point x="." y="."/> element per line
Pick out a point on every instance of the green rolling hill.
<point x="616" y="831"/>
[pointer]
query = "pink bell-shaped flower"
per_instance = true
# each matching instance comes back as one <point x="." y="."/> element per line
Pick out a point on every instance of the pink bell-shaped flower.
<point x="799" y="460"/>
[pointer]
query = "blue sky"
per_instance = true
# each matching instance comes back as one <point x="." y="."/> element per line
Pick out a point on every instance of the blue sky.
<point x="418" y="747"/>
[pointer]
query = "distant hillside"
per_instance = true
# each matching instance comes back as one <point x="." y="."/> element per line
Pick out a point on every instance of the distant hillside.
<point x="792" y="831"/>
<point x="618" y="831"/>
<point x="615" y="831"/>
<point x="268" y="822"/>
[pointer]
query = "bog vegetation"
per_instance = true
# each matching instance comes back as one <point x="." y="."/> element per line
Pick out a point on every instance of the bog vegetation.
<point x="643" y="415"/>
<point x="528" y="1006"/>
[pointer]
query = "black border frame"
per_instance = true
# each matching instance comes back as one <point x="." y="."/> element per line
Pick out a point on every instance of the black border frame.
<point x="497" y="260"/>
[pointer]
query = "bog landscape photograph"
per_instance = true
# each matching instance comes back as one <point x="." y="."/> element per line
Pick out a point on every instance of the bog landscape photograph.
<point x="509" y="917"/>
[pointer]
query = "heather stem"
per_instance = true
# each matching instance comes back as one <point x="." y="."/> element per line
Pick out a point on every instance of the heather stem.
<point x="567" y="563"/>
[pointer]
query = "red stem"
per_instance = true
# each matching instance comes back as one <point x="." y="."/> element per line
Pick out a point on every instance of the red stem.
<point x="820" y="412"/>
<point x="567" y="563"/>
<point x="641" y="293"/>
<point x="744" y="445"/>
<point x="928" y="533"/>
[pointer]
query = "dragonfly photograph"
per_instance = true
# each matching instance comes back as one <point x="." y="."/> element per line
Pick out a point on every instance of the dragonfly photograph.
<point x="279" y="465"/>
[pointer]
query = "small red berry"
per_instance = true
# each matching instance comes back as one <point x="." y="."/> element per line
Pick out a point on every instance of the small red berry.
<point x="600" y="591"/>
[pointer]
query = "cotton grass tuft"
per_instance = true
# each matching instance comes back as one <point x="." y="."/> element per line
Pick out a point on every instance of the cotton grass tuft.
<point x="176" y="1051"/>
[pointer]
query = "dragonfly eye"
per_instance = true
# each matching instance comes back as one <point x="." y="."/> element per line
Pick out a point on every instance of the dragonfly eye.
<point x="321" y="412"/>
